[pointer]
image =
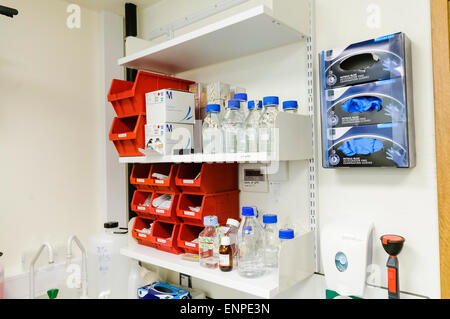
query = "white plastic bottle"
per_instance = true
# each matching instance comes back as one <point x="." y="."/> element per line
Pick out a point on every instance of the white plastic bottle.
<point x="267" y="125"/>
<point x="252" y="127"/>
<point x="233" y="128"/>
<point x="212" y="131"/>
<point x="251" y="245"/>
<point x="135" y="280"/>
<point x="107" y="269"/>
<point x="290" y="107"/>
<point x="272" y="242"/>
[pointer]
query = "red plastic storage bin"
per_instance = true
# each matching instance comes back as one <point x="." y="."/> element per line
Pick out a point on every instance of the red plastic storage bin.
<point x="169" y="215"/>
<point x="137" y="204"/>
<point x="143" y="238"/>
<point x="128" y="98"/>
<point x="224" y="205"/>
<point x="128" y="135"/>
<point x="186" y="236"/>
<point x="164" y="235"/>
<point x="168" y="184"/>
<point x="207" y="178"/>
<point x="139" y="176"/>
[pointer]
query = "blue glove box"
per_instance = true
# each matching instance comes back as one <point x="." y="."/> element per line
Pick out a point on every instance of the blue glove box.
<point x="366" y="104"/>
<point x="373" y="60"/>
<point x="382" y="145"/>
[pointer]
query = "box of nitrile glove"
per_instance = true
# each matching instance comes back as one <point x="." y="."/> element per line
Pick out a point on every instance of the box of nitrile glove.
<point x="366" y="104"/>
<point x="377" y="59"/>
<point x="160" y="290"/>
<point x="382" y="145"/>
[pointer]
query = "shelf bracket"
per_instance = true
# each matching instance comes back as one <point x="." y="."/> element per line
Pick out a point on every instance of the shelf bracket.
<point x="170" y="29"/>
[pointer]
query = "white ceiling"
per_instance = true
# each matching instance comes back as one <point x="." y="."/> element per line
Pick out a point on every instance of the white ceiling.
<point x="116" y="6"/>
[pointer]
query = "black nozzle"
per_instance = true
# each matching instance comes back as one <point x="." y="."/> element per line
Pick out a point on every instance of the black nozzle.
<point x="392" y="244"/>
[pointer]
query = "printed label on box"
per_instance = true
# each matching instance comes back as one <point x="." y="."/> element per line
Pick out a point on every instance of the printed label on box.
<point x="189" y="244"/>
<point x="140" y="180"/>
<point x="141" y="208"/>
<point x="122" y="135"/>
<point x="163" y="241"/>
<point x="161" y="211"/>
<point x="186" y="212"/>
<point x="142" y="235"/>
<point x="159" y="181"/>
<point x="188" y="181"/>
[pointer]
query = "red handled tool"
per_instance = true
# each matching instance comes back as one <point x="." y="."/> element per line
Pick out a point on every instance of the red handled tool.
<point x="393" y="245"/>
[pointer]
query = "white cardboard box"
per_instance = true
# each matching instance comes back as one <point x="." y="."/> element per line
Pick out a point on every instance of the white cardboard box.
<point x="164" y="138"/>
<point x="170" y="106"/>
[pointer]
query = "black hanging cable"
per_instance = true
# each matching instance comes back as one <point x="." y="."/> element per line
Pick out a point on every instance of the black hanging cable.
<point x="9" y="12"/>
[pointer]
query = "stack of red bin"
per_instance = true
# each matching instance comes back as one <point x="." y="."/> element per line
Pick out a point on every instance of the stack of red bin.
<point x="197" y="190"/>
<point x="128" y="99"/>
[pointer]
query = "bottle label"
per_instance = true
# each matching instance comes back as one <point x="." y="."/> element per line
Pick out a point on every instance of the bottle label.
<point x="224" y="260"/>
<point x="206" y="243"/>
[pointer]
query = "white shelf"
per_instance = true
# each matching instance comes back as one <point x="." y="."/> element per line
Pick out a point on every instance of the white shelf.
<point x="246" y="33"/>
<point x="295" y="144"/>
<point x="296" y="263"/>
<point x="201" y="158"/>
<point x="265" y="287"/>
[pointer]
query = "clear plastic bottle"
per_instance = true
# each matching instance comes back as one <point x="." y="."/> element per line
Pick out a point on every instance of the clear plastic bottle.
<point x="107" y="267"/>
<point x="251" y="245"/>
<point x="272" y="242"/>
<point x="233" y="128"/>
<point x="243" y="101"/>
<point x="212" y="131"/>
<point x="290" y="107"/>
<point x="232" y="229"/>
<point x="252" y="127"/>
<point x="208" y="243"/>
<point x="267" y="124"/>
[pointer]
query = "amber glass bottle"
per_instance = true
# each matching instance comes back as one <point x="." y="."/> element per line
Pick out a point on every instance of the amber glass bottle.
<point x="225" y="255"/>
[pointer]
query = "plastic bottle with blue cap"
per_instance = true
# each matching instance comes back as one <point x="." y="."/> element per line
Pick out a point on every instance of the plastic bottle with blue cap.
<point x="233" y="128"/>
<point x="252" y="126"/>
<point x="267" y="124"/>
<point x="272" y="241"/>
<point x="251" y="245"/>
<point x="290" y="107"/>
<point x="212" y="130"/>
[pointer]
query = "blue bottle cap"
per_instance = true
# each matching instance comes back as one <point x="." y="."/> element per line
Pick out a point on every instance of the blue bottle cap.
<point x="290" y="105"/>
<point x="240" y="96"/>
<point x="210" y="221"/>
<point x="251" y="104"/>
<point x="270" y="100"/>
<point x="213" y="108"/>
<point x="270" y="219"/>
<point x="248" y="211"/>
<point x="286" y="233"/>
<point x="234" y="104"/>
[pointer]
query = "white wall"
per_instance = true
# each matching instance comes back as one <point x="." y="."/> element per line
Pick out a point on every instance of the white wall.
<point x="50" y="128"/>
<point x="397" y="201"/>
